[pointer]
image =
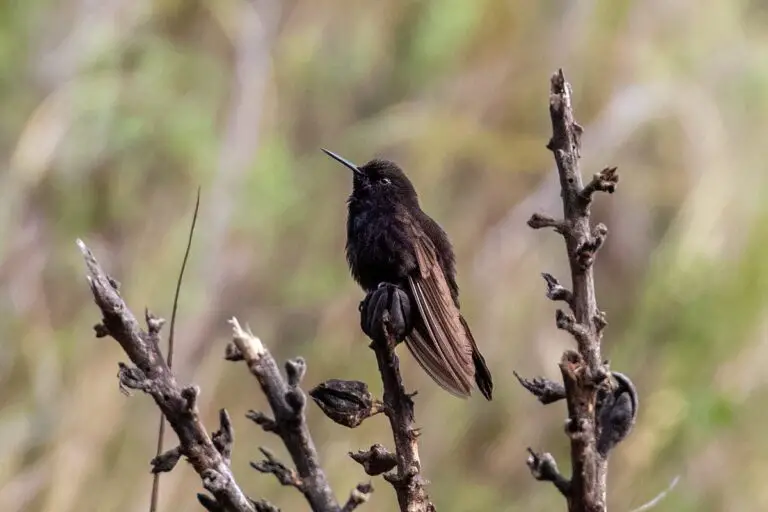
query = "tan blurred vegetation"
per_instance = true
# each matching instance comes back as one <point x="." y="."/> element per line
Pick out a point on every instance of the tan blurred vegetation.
<point x="114" y="111"/>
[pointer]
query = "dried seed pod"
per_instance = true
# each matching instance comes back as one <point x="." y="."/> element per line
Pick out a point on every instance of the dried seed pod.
<point x="347" y="402"/>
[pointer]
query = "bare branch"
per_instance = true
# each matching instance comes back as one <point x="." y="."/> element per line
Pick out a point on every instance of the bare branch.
<point x="584" y="374"/>
<point x="152" y="376"/>
<point x="288" y="403"/>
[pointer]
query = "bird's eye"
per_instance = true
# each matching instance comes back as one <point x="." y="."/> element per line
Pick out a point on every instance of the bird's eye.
<point x="386" y="181"/>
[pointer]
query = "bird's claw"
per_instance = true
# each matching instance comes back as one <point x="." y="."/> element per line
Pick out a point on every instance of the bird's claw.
<point x="387" y="302"/>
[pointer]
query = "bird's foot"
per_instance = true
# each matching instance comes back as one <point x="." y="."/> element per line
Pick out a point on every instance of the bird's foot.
<point x="387" y="305"/>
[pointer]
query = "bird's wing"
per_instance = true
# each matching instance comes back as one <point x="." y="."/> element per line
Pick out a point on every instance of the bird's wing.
<point x="438" y="341"/>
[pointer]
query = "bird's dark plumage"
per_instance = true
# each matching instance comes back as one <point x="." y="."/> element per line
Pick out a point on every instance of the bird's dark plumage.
<point x="391" y="240"/>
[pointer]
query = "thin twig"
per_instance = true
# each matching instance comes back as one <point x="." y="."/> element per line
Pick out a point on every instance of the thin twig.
<point x="161" y="429"/>
<point x="663" y="494"/>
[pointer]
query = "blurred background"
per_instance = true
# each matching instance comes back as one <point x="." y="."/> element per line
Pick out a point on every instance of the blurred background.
<point x="114" y="111"/>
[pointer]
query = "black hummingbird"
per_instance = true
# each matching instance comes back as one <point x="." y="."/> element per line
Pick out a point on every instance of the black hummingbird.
<point x="392" y="242"/>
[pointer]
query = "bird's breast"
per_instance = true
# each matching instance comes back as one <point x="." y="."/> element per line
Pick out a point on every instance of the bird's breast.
<point x="378" y="247"/>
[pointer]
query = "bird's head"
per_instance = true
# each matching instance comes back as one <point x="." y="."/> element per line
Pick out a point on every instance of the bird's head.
<point x="378" y="180"/>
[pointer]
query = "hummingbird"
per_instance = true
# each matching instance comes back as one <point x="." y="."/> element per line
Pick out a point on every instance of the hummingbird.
<point x="391" y="241"/>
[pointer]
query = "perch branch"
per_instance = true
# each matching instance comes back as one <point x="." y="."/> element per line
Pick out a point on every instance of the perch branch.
<point x="409" y="485"/>
<point x="288" y="404"/>
<point x="152" y="376"/>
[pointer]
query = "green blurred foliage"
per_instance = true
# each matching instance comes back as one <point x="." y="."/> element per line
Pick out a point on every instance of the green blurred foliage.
<point x="115" y="111"/>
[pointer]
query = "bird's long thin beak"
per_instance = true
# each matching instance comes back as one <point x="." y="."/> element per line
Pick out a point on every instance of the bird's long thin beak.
<point x="343" y="161"/>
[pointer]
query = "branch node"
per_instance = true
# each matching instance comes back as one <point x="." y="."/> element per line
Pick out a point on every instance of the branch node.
<point x="261" y="419"/>
<point x="232" y="353"/>
<point x="540" y="221"/>
<point x="130" y="377"/>
<point x="296" y="400"/>
<point x="209" y="504"/>
<point x="114" y="283"/>
<point x="166" y="461"/>
<point x="214" y="482"/>
<point x="101" y="330"/>
<point x="586" y="253"/>
<point x="566" y="322"/>
<point x="576" y="428"/>
<point x="190" y="394"/>
<point x="224" y="438"/>
<point x="578" y="131"/>
<point x="154" y="323"/>
<point x="264" y="506"/>
<point x="295" y="370"/>
<point x="555" y="291"/>
<point x="284" y="474"/>
<point x="601" y="322"/>
<point x="604" y="181"/>
<point x="544" y="468"/>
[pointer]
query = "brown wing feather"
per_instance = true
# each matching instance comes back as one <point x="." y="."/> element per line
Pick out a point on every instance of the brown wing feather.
<point x="424" y="352"/>
<point x="439" y="342"/>
<point x="483" y="376"/>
